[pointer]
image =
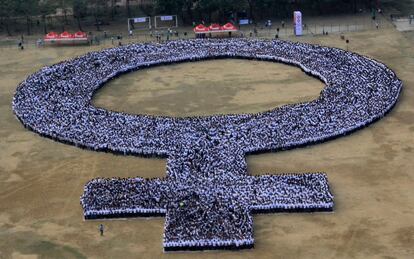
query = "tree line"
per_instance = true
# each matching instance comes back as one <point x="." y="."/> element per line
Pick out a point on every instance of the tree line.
<point x="189" y="11"/>
<point x="40" y="11"/>
<point x="220" y="10"/>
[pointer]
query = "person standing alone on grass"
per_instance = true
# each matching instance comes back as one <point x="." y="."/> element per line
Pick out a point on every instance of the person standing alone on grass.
<point x="101" y="229"/>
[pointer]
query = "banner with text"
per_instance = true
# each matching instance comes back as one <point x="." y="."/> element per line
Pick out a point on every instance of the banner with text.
<point x="166" y="18"/>
<point x="297" y="23"/>
<point x="140" y="19"/>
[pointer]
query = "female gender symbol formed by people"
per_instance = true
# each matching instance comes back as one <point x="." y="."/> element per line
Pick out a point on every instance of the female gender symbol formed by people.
<point x="207" y="195"/>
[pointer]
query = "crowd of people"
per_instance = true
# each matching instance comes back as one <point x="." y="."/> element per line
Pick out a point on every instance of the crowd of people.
<point x="202" y="214"/>
<point x="207" y="195"/>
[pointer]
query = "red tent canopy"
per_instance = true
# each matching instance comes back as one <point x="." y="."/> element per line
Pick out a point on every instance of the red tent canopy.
<point x="66" y="35"/>
<point x="201" y="29"/>
<point x="215" y="27"/>
<point x="66" y="38"/>
<point x="51" y="36"/>
<point x="229" y="27"/>
<point x="80" y="34"/>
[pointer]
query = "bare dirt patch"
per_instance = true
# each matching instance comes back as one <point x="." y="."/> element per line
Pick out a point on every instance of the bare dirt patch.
<point x="208" y="87"/>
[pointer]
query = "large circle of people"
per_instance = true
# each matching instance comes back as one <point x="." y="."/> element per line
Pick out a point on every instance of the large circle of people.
<point x="203" y="151"/>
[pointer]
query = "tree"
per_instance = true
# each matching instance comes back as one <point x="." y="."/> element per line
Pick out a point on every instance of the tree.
<point x="128" y="9"/>
<point x="187" y="10"/>
<point x="26" y="8"/>
<point x="113" y="10"/>
<point x="98" y="11"/>
<point x="207" y="7"/>
<point x="252" y="5"/>
<point x="64" y="5"/>
<point x="46" y="7"/>
<point x="146" y="8"/>
<point x="79" y="11"/>
<point x="7" y="10"/>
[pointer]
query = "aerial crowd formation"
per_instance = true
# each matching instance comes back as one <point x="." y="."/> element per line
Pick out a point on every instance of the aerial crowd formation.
<point x="208" y="214"/>
<point x="207" y="195"/>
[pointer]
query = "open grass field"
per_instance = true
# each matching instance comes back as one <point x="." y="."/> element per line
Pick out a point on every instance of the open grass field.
<point x="371" y="172"/>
